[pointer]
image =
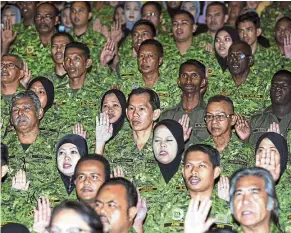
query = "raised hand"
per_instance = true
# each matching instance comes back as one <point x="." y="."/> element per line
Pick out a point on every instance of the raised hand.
<point x="104" y="129"/>
<point x="223" y="188"/>
<point x="19" y="181"/>
<point x="7" y="36"/>
<point x="27" y="75"/>
<point x="141" y="213"/>
<point x="108" y="52"/>
<point x="116" y="32"/>
<point x="268" y="160"/>
<point x="97" y="26"/>
<point x="242" y="127"/>
<point x="287" y="46"/>
<point x="196" y="217"/>
<point x="274" y="127"/>
<point x="185" y="123"/>
<point x="105" y="31"/>
<point x="118" y="172"/>
<point x="42" y="215"/>
<point x="79" y="130"/>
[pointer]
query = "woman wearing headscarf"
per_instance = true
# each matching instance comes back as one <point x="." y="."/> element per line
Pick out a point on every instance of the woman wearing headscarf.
<point x="11" y="13"/>
<point x="132" y="13"/>
<point x="68" y="152"/>
<point x="223" y="39"/>
<point x="44" y="89"/>
<point x="272" y="154"/>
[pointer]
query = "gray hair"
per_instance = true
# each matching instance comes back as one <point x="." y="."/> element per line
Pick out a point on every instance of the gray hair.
<point x="27" y="94"/>
<point x="273" y="204"/>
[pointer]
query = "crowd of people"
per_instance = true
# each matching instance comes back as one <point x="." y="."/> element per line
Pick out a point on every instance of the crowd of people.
<point x="145" y="116"/>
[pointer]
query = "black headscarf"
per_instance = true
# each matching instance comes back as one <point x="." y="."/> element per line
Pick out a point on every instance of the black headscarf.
<point x="81" y="145"/>
<point x="281" y="144"/>
<point x="170" y="169"/>
<point x="49" y="89"/>
<point x="234" y="36"/>
<point x="122" y="100"/>
<point x="14" y="228"/>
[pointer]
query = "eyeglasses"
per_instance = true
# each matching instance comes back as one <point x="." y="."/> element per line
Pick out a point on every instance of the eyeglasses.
<point x="70" y="230"/>
<point x="152" y="14"/>
<point x="9" y="66"/>
<point x="218" y="117"/>
<point x="238" y="56"/>
<point x="47" y="18"/>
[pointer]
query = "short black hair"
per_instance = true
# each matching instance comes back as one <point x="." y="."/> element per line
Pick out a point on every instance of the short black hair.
<point x="154" y="97"/>
<point x="216" y="3"/>
<point x="285" y="18"/>
<point x="85" y="49"/>
<point x="156" y="43"/>
<point x="220" y="98"/>
<point x="283" y="73"/>
<point x="147" y="23"/>
<point x="86" y="212"/>
<point x="193" y="62"/>
<point x="4" y="154"/>
<point x="155" y="4"/>
<point x="183" y="12"/>
<point x="95" y="157"/>
<point x="87" y="3"/>
<point x="56" y="11"/>
<point x="241" y="42"/>
<point x="249" y="16"/>
<point x="64" y="34"/>
<point x="212" y="153"/>
<point x="19" y="59"/>
<point x="131" y="193"/>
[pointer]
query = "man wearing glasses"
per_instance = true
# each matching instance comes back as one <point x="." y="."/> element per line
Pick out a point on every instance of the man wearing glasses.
<point x="220" y="120"/>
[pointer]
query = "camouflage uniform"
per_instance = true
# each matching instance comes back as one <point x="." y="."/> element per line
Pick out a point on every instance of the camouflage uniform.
<point x="236" y="155"/>
<point x="105" y="14"/>
<point x="199" y="130"/>
<point x="17" y="206"/>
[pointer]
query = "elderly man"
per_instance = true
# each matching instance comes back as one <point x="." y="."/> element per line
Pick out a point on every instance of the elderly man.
<point x="253" y="200"/>
<point x="29" y="148"/>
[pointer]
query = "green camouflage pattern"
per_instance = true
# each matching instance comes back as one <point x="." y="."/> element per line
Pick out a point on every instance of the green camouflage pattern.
<point x="199" y="129"/>
<point x="105" y="14"/>
<point x="235" y="156"/>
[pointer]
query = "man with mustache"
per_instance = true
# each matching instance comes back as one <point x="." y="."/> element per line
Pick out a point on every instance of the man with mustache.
<point x="90" y="173"/>
<point x="279" y="112"/>
<point x="30" y="149"/>
<point x="220" y="120"/>
<point x="58" y="45"/>
<point x="192" y="79"/>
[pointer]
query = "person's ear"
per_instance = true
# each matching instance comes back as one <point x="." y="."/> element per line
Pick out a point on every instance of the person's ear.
<point x="183" y="172"/>
<point x="40" y="113"/>
<point x="160" y="61"/>
<point x="155" y="38"/>
<point x="4" y="170"/>
<point x="203" y="83"/>
<point x="132" y="212"/>
<point x="226" y="18"/>
<point x="157" y="114"/>
<point x="251" y="60"/>
<point x="217" y="171"/>
<point x="88" y="63"/>
<point x="56" y="20"/>
<point x="233" y="119"/>
<point x="259" y="32"/>
<point x="179" y="82"/>
<point x="90" y="16"/>
<point x="194" y="28"/>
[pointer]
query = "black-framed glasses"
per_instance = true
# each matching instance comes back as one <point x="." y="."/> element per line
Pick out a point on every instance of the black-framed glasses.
<point x="46" y="18"/>
<point x="10" y="66"/>
<point x="238" y="56"/>
<point x="218" y="117"/>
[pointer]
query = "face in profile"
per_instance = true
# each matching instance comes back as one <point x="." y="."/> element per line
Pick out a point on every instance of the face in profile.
<point x="112" y="207"/>
<point x="250" y="201"/>
<point x="165" y="145"/>
<point x="40" y="91"/>
<point x="131" y="11"/>
<point x="68" y="220"/>
<point x="222" y="43"/>
<point x="68" y="156"/>
<point x="112" y="107"/>
<point x="90" y="175"/>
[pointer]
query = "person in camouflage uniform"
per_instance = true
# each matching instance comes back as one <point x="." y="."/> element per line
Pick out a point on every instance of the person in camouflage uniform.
<point x="282" y="32"/>
<point x="200" y="169"/>
<point x="280" y="110"/>
<point x="192" y="79"/>
<point x="27" y="10"/>
<point x="253" y="201"/>
<point x="25" y="145"/>
<point x="220" y="119"/>
<point x="273" y="146"/>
